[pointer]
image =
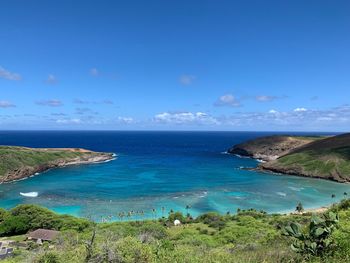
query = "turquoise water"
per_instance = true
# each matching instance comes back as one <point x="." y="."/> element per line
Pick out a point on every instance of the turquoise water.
<point x="161" y="171"/>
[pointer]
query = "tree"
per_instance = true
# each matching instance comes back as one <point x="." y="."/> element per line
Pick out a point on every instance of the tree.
<point x="299" y="208"/>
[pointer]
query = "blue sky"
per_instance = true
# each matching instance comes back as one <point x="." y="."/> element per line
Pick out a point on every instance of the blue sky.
<point x="175" y="65"/>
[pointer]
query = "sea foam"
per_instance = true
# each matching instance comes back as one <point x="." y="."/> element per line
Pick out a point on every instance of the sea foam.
<point x="29" y="194"/>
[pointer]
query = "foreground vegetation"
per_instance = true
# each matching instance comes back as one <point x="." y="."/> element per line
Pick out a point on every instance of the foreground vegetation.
<point x="248" y="236"/>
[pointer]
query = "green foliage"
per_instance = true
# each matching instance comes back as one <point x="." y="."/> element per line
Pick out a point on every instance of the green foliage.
<point x="23" y="218"/>
<point x="177" y="215"/>
<point x="132" y="250"/>
<point x="212" y="219"/>
<point x="247" y="237"/>
<point x="14" y="225"/>
<point x="316" y="239"/>
<point x="13" y="158"/>
<point x="153" y="230"/>
<point x="3" y="214"/>
<point x="48" y="257"/>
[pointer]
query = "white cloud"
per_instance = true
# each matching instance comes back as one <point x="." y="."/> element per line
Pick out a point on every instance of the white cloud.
<point x="302" y="119"/>
<point x="300" y="109"/>
<point x="187" y="79"/>
<point x="126" y="120"/>
<point x="94" y="72"/>
<point x="51" y="79"/>
<point x="6" y="104"/>
<point x="51" y="103"/>
<point x="69" y="121"/>
<point x="5" y="74"/>
<point x="227" y="100"/>
<point x="265" y="98"/>
<point x="185" y="118"/>
<point x="105" y="101"/>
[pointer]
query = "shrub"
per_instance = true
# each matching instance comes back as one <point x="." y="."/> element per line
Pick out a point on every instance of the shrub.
<point x="212" y="219"/>
<point x="130" y="250"/>
<point x="23" y="218"/>
<point x="317" y="239"/>
<point x="177" y="215"/>
<point x="153" y="230"/>
<point x="3" y="214"/>
<point x="48" y="257"/>
<point x="13" y="225"/>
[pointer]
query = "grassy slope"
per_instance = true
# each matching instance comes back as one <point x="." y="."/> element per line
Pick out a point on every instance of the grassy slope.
<point x="326" y="158"/>
<point x="13" y="158"/>
<point x="250" y="236"/>
<point x="275" y="145"/>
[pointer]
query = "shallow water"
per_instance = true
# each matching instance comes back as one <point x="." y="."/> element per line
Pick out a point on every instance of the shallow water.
<point x="161" y="171"/>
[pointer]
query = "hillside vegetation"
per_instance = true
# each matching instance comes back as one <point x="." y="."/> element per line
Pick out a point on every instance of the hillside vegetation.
<point x="248" y="236"/>
<point x="328" y="158"/>
<point x="20" y="162"/>
<point x="271" y="147"/>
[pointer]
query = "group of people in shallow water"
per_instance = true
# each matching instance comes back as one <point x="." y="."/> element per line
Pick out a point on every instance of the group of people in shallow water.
<point x="130" y="214"/>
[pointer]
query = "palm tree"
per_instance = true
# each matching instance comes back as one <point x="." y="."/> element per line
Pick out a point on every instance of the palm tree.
<point x="163" y="210"/>
<point x="154" y="212"/>
<point x="333" y="195"/>
<point x="187" y="208"/>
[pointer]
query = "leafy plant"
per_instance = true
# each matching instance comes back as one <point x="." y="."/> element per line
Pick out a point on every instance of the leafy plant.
<point x="316" y="238"/>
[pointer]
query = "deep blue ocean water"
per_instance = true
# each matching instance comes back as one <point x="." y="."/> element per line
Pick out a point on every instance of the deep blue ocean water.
<point x="159" y="169"/>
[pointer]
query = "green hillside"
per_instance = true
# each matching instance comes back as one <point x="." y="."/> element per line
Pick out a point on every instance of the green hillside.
<point x="328" y="158"/>
<point x="19" y="162"/>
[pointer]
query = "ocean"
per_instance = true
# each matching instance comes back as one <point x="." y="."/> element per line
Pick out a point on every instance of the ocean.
<point x="156" y="172"/>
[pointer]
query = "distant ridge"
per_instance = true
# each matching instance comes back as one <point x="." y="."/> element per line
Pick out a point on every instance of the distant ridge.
<point x="20" y="162"/>
<point x="326" y="158"/>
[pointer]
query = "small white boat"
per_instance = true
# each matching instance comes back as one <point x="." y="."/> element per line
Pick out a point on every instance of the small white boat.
<point x="29" y="194"/>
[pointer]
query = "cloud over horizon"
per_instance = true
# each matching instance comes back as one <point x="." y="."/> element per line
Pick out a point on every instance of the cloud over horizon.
<point x="81" y="101"/>
<point x="51" y="103"/>
<point x="6" y="74"/>
<point x="6" y="104"/>
<point x="184" y="118"/>
<point x="227" y="100"/>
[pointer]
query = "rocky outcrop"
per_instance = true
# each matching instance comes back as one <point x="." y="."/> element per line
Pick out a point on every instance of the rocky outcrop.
<point x="269" y="148"/>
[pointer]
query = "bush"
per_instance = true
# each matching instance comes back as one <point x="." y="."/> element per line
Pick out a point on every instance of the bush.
<point x="48" y="257"/>
<point x="24" y="218"/>
<point x="14" y="225"/>
<point x="131" y="250"/>
<point x="317" y="239"/>
<point x="3" y="214"/>
<point x="177" y="215"/>
<point x="212" y="219"/>
<point x="154" y="230"/>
